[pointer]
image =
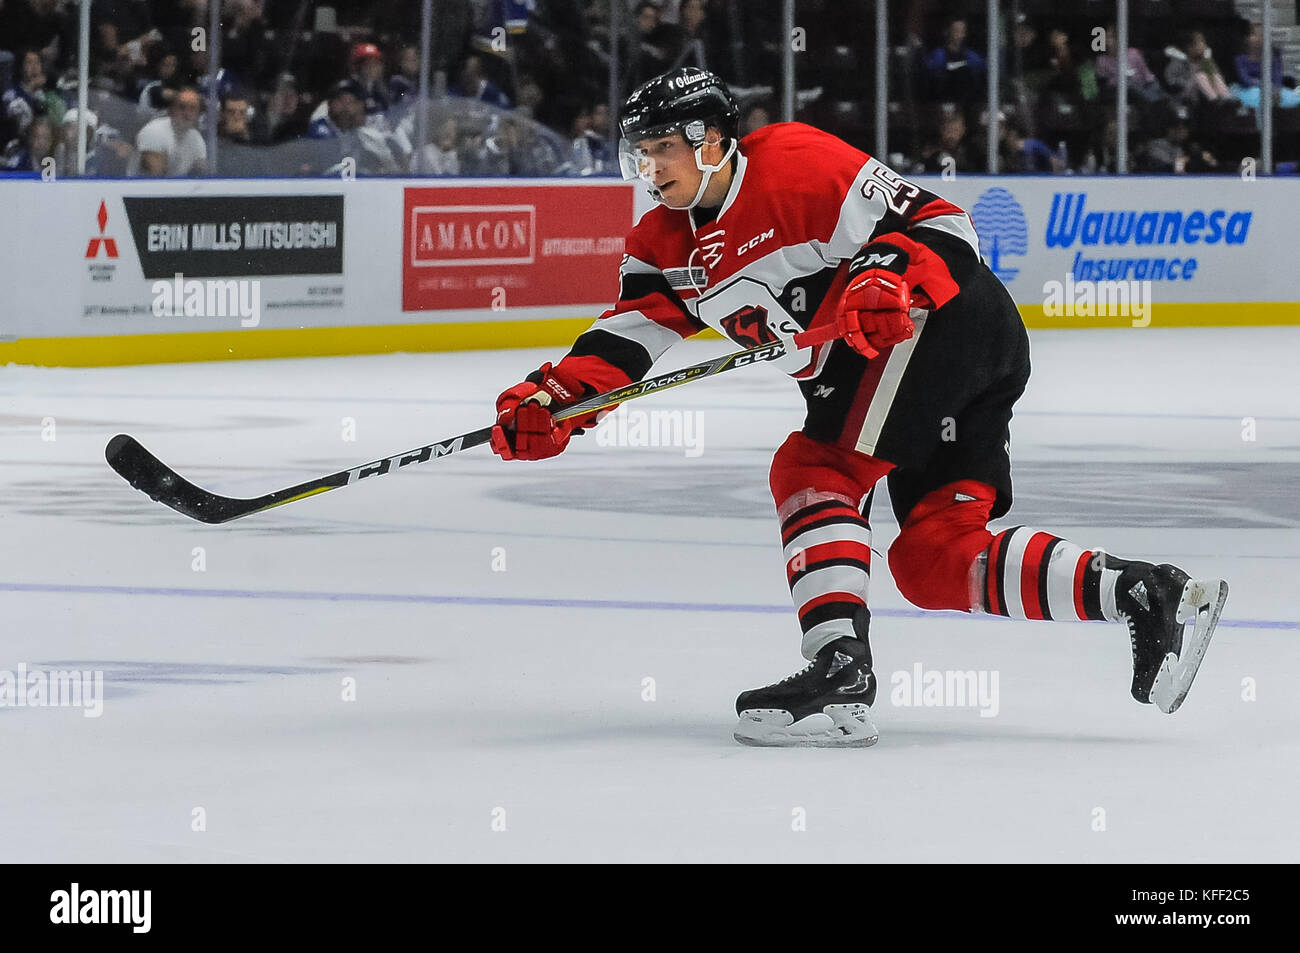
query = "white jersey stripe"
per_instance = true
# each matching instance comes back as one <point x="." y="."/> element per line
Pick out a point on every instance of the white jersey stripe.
<point x="887" y="389"/>
<point x="835" y="532"/>
<point x="1015" y="545"/>
<point x="1060" y="580"/>
<point x="860" y="212"/>
<point x="636" y="327"/>
<point x="823" y="634"/>
<point x="831" y="579"/>
<point x="956" y="225"/>
<point x="1109" y="577"/>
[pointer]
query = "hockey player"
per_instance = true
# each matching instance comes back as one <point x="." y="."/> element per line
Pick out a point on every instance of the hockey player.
<point x="924" y="358"/>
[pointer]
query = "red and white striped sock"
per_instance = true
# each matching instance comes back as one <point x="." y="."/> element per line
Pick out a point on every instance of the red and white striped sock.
<point x="1034" y="575"/>
<point x="828" y="566"/>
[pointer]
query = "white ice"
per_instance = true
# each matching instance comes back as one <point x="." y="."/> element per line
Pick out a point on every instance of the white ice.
<point x="488" y="699"/>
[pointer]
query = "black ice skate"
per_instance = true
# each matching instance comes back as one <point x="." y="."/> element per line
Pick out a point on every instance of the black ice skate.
<point x="1156" y="602"/>
<point x="823" y="706"/>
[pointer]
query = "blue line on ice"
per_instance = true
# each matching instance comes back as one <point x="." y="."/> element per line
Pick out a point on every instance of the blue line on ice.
<point x="516" y="602"/>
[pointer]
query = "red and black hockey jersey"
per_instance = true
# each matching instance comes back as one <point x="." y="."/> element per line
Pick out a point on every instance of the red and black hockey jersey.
<point x="774" y="259"/>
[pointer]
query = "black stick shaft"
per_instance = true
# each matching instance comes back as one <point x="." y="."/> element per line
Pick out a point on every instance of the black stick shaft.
<point x="128" y="457"/>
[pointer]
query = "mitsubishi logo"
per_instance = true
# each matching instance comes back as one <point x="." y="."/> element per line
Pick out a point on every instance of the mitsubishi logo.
<point x="110" y="244"/>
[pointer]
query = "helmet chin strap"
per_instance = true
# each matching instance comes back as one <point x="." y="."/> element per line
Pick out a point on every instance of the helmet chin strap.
<point x="708" y="171"/>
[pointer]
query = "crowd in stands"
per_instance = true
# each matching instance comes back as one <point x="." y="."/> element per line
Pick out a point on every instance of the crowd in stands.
<point x="523" y="87"/>
<point x="1193" y="91"/>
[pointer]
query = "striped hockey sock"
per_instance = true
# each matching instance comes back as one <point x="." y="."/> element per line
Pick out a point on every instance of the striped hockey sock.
<point x="828" y="566"/>
<point x="1035" y="575"/>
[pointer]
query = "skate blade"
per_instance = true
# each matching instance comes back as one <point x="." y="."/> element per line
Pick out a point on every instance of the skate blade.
<point x="837" y="726"/>
<point x="1201" y="603"/>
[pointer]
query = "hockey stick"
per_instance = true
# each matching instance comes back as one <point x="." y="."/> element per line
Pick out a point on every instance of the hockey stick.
<point x="147" y="473"/>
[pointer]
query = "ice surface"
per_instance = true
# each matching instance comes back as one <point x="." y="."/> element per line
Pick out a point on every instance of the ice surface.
<point x="516" y="696"/>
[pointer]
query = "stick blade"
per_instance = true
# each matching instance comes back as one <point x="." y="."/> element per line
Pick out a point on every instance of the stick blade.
<point x="140" y="468"/>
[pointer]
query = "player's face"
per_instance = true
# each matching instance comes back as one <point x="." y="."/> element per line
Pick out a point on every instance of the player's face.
<point x="185" y="110"/>
<point x="668" y="163"/>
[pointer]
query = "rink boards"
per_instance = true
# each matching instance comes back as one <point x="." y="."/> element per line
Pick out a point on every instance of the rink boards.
<point x="131" y="272"/>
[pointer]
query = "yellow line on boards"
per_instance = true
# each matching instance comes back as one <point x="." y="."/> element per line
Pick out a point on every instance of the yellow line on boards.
<point x="288" y="342"/>
<point x="1174" y="314"/>
<point x="255" y="343"/>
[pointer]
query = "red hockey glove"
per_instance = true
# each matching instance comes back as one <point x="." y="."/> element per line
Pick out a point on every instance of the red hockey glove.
<point x="525" y="429"/>
<point x="886" y="279"/>
<point x="873" y="311"/>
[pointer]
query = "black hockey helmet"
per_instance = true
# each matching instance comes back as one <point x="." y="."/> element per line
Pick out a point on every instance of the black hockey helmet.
<point x="688" y="98"/>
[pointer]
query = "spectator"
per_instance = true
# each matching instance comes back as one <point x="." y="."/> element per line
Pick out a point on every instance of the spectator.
<point x="163" y="79"/>
<point x="439" y="157"/>
<point x="956" y="71"/>
<point x="237" y="155"/>
<point x="528" y="95"/>
<point x="1021" y="152"/>
<point x="1250" y="67"/>
<point x="755" y="116"/>
<point x="132" y="24"/>
<point x="170" y="145"/>
<point x="473" y="84"/>
<point x="228" y="84"/>
<point x="107" y="153"/>
<point x="1250" y="74"/>
<point x="602" y="128"/>
<point x="1175" y="153"/>
<point x="646" y="52"/>
<point x="532" y="152"/>
<point x="29" y="99"/>
<point x="37" y="145"/>
<point x="111" y="66"/>
<point x="66" y="151"/>
<point x="1027" y="56"/>
<point x="1068" y="74"/>
<point x="34" y="24"/>
<point x="687" y="41"/>
<point x="244" y="48"/>
<point x="591" y="153"/>
<point x="951" y="152"/>
<point x="234" y="125"/>
<point x="367" y="68"/>
<point x="344" y="129"/>
<point x="404" y="85"/>
<point x="1192" y="74"/>
<point x="286" y="116"/>
<point x="1142" y="83"/>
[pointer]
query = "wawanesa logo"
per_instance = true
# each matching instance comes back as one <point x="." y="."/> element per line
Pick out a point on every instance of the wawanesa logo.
<point x="1071" y="221"/>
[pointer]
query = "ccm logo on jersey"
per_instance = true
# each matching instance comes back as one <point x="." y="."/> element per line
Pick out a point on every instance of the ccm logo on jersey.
<point x="754" y="241"/>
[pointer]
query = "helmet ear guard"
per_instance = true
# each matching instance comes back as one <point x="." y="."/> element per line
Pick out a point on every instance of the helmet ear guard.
<point x="708" y="169"/>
